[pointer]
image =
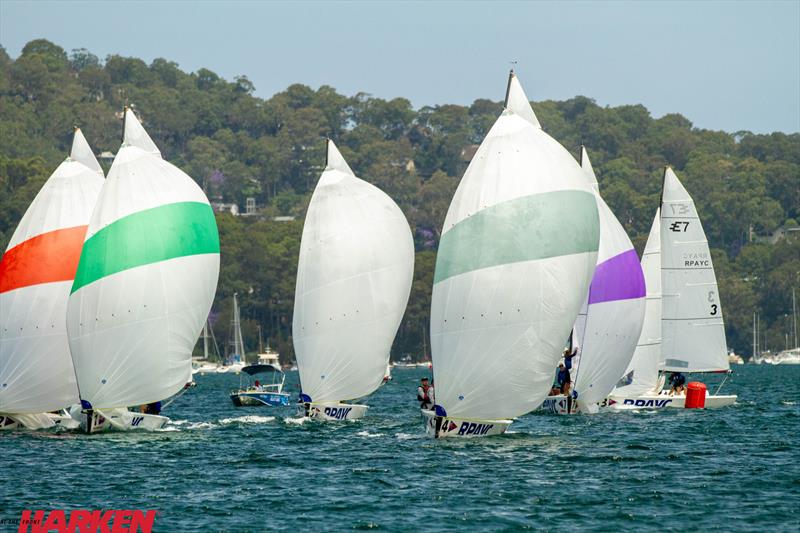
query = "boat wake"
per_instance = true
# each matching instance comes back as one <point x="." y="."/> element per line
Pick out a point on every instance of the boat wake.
<point x="247" y="419"/>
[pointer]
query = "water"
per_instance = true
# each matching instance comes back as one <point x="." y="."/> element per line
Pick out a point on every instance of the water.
<point x="221" y="468"/>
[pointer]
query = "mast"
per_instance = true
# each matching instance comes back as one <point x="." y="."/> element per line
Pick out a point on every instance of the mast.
<point x="754" y="336"/>
<point x="794" y="318"/>
<point x="508" y="87"/>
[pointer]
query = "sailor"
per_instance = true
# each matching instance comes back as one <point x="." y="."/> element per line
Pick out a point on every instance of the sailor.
<point x="258" y="385"/>
<point x="568" y="357"/>
<point x="677" y="381"/>
<point x="424" y="393"/>
<point x="563" y="378"/>
<point x="153" y="408"/>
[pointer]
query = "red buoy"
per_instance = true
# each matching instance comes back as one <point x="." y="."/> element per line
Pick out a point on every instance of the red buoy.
<point x="695" y="395"/>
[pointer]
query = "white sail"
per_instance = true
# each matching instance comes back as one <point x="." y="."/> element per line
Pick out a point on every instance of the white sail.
<point x="693" y="332"/>
<point x="611" y="318"/>
<point x="641" y="376"/>
<point x="145" y="282"/>
<point x="518" y="249"/>
<point x="353" y="282"/>
<point x="36" y="274"/>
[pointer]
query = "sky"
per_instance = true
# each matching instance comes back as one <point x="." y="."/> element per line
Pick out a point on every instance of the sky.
<point x="724" y="65"/>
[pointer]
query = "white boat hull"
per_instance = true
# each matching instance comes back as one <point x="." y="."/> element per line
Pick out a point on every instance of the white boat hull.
<point x="335" y="411"/>
<point x="36" y="421"/>
<point x="117" y="420"/>
<point x="448" y="427"/>
<point x="560" y="405"/>
<point x="663" y="400"/>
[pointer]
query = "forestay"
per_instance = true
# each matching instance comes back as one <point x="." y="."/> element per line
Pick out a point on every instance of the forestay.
<point x="517" y="252"/>
<point x="353" y="282"/>
<point x="36" y="274"/>
<point x="641" y="376"/>
<point x="612" y="315"/>
<point x="693" y="332"/>
<point x="146" y="279"/>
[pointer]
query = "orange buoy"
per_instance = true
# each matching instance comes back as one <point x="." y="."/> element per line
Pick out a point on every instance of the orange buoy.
<point x="695" y="395"/>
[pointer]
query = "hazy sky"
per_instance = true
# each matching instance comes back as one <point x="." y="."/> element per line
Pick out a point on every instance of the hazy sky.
<point x="725" y="65"/>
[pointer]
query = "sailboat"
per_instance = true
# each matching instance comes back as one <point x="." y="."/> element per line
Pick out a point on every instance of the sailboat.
<point x="36" y="273"/>
<point x="610" y="321"/>
<point x="237" y="360"/>
<point x="517" y="253"/>
<point x="692" y="335"/>
<point x="206" y="365"/>
<point x="353" y="282"/>
<point x="144" y="286"/>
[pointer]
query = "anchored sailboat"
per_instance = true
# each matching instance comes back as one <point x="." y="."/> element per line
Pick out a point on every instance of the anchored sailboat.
<point x="236" y="361"/>
<point x="353" y="283"/>
<point x="144" y="286"/>
<point x="36" y="273"/>
<point x="517" y="253"/>
<point x="610" y="320"/>
<point x="692" y="327"/>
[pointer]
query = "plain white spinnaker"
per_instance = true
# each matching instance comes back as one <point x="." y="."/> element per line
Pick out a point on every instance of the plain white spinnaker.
<point x="353" y="282"/>
<point x="517" y="253"/>
<point x="36" y="273"/>
<point x="693" y="331"/>
<point x="145" y="282"/>
<point x="641" y="376"/>
<point x="611" y="317"/>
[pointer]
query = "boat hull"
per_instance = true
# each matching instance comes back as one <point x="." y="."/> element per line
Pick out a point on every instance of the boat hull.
<point x="37" y="421"/>
<point x="560" y="405"/>
<point x="335" y="411"/>
<point x="448" y="427"/>
<point x="662" y="400"/>
<point x="121" y="419"/>
<point x="257" y="399"/>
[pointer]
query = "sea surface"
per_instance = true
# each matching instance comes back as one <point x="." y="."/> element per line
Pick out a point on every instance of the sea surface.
<point x="221" y="468"/>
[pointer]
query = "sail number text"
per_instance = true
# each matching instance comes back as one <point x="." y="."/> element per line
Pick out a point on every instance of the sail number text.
<point x="679" y="226"/>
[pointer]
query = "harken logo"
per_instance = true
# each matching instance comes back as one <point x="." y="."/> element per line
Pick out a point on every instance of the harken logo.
<point x="85" y="521"/>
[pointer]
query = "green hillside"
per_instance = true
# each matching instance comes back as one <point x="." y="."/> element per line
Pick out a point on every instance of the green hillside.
<point x="239" y="146"/>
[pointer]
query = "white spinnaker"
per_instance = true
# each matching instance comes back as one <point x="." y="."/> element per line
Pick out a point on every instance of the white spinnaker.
<point x="693" y="331"/>
<point x="499" y="313"/>
<point x="132" y="331"/>
<point x="353" y="282"/>
<point x="614" y="308"/>
<point x="36" y="373"/>
<point x="642" y="372"/>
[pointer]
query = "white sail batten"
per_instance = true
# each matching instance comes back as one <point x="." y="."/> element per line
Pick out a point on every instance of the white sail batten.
<point x="517" y="252"/>
<point x="693" y="331"/>
<point x="611" y="317"/>
<point x="353" y="282"/>
<point x="641" y="376"/>
<point x="36" y="273"/>
<point x="146" y="279"/>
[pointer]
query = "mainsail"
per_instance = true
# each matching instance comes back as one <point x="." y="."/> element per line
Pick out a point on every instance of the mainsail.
<point x="693" y="332"/>
<point x="641" y="376"/>
<point x="517" y="253"/>
<point x="146" y="279"/>
<point x="611" y="318"/>
<point x="353" y="282"/>
<point x="36" y="274"/>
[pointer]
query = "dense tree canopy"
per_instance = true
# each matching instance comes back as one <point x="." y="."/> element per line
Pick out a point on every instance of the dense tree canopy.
<point x="237" y="145"/>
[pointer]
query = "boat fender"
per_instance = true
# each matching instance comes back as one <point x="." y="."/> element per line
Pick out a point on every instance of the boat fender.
<point x="695" y="395"/>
